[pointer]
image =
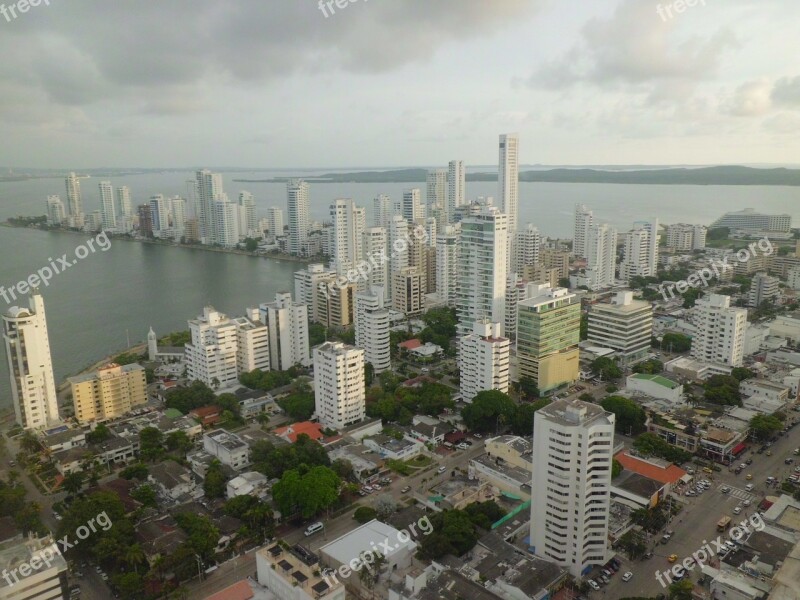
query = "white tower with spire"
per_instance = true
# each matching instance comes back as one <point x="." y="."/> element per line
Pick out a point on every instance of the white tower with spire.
<point x="152" y="345"/>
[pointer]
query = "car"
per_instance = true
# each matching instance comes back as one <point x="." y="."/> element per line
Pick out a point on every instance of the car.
<point x="737" y="470"/>
<point x="12" y="463"/>
<point x="789" y="460"/>
<point x="707" y="470"/>
<point x="313" y="528"/>
<point x="376" y="487"/>
<point x="690" y="471"/>
<point x="737" y="510"/>
<point x="672" y="558"/>
<point x="747" y="503"/>
<point x="593" y="585"/>
<point x="477" y="436"/>
<point x="749" y="461"/>
<point x="730" y="545"/>
<point x="749" y="487"/>
<point x="607" y="573"/>
<point x="628" y="576"/>
<point x="57" y="516"/>
<point x="724" y="489"/>
<point x="743" y="465"/>
<point x="749" y="476"/>
<point x="362" y="493"/>
<point x="462" y="446"/>
<point x="605" y="579"/>
<point x="103" y="576"/>
<point x="441" y="470"/>
<point x="98" y="569"/>
<point x="769" y="453"/>
<point x="615" y="563"/>
<point x="690" y="493"/>
<point x="405" y="489"/>
<point x="665" y="539"/>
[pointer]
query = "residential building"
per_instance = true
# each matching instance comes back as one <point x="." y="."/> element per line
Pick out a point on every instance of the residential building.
<point x="482" y="267"/>
<point x="33" y="568"/>
<point x="601" y="259"/>
<point x="684" y="237"/>
<point x="372" y="329"/>
<point x="548" y="333"/>
<point x="557" y="259"/>
<point x="418" y="253"/>
<point x="159" y="209"/>
<point x="625" y="325"/>
<point x="483" y="358"/>
<point x="408" y="294"/>
<point x="107" y="205"/>
<point x="226" y="222"/>
<point x="570" y="502"/>
<point x="288" y="331"/>
<point x="382" y="211"/>
<point x="275" y="220"/>
<point x="248" y="218"/>
<point x="30" y="366"/>
<point x="516" y="288"/>
<point x="335" y="305"/>
<point x="228" y="447"/>
<point x="794" y="278"/>
<point x="289" y="575"/>
<point x="252" y="342"/>
<point x="339" y="384"/>
<point x="456" y="188"/>
<point x="375" y="243"/>
<point x="508" y="179"/>
<point x="145" y="220"/>
<point x="74" y="196"/>
<point x="109" y="392"/>
<point x="584" y="220"/>
<point x="124" y="201"/>
<point x="297" y="206"/>
<point x="56" y="214"/>
<point x="412" y="205"/>
<point x="399" y="235"/>
<point x="307" y="285"/>
<point x="208" y="188"/>
<point x="526" y="248"/>
<point x="347" y="236"/>
<point x="211" y="354"/>
<point x="720" y="331"/>
<point x="447" y="244"/>
<point x="750" y="221"/>
<point x="436" y="193"/>
<point x="763" y="288"/>
<point x="641" y="251"/>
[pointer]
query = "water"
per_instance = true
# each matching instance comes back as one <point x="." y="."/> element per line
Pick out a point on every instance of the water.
<point x="94" y="306"/>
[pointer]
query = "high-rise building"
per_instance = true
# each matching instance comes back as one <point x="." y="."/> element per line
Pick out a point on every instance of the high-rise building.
<point x="482" y="264"/>
<point x="382" y="211"/>
<point x="752" y="222"/>
<point x="436" y="191"/>
<point x="548" y="333"/>
<point x="625" y="325"/>
<point x="508" y="178"/>
<point x="211" y="353"/>
<point x="249" y="225"/>
<point x="109" y="392"/>
<point x="307" y="284"/>
<point x="763" y="288"/>
<point x="447" y="243"/>
<point x="178" y="211"/>
<point x="571" y="486"/>
<point x="412" y="205"/>
<point x="483" y="358"/>
<point x="226" y="222"/>
<point x="418" y="254"/>
<point x="375" y="255"/>
<point x="74" y="197"/>
<point x="288" y="331"/>
<point x="720" y="330"/>
<point x="601" y="257"/>
<point x="339" y="385"/>
<point x="641" y="251"/>
<point x="124" y="201"/>
<point x="159" y="210"/>
<point x="209" y="189"/>
<point x="334" y="305"/>
<point x="456" y="188"/>
<point x="685" y="237"/>
<point x="407" y="294"/>
<point x="43" y="565"/>
<point x="297" y="205"/>
<point x="252" y="342"/>
<point x="516" y="288"/>
<point x="145" y="220"/>
<point x="30" y="366"/>
<point x="398" y="243"/>
<point x="372" y="329"/>
<point x="107" y="205"/>
<point x="584" y="219"/>
<point x="556" y="259"/>
<point x="526" y="248"/>
<point x="275" y="220"/>
<point x="192" y="230"/>
<point x="56" y="214"/>
<point x="348" y="235"/>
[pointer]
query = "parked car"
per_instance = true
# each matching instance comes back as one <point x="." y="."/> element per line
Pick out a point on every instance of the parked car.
<point x="627" y="577"/>
<point x="405" y="489"/>
<point x="593" y="585"/>
<point x="737" y="510"/>
<point x="749" y="487"/>
<point x="441" y="470"/>
<point x="724" y="489"/>
<point x="747" y="503"/>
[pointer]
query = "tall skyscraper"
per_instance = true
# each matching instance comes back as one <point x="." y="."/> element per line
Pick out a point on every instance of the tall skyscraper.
<point x="56" y="214"/>
<point x="571" y="486"/>
<point x="375" y="254"/>
<point x="275" y="220"/>
<point x="584" y="219"/>
<point x="526" y="248"/>
<point x="107" y="205"/>
<point x="483" y="358"/>
<point x="288" y="331"/>
<point x="74" y="197"/>
<point x="447" y="244"/>
<point x="641" y="251"/>
<point x="297" y="205"/>
<point x="720" y="331"/>
<point x="249" y="221"/>
<point x="372" y="329"/>
<point x="178" y="212"/>
<point x="456" y="188"/>
<point x="382" y="211"/>
<point x="412" y="205"/>
<point x="159" y="209"/>
<point x="398" y="243"/>
<point x="348" y="235"/>
<point x="307" y="283"/>
<point x="482" y="260"/>
<point x="226" y="222"/>
<point x="211" y="353"/>
<point x="339" y="384"/>
<point x="145" y="220"/>
<point x="124" y="201"/>
<point x="209" y="189"/>
<point x="436" y="190"/>
<point x="601" y="256"/>
<point x="508" y="178"/>
<point x="33" y="390"/>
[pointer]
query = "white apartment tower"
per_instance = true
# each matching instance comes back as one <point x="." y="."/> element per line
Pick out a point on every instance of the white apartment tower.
<point x="249" y="219"/>
<point x="288" y="331"/>
<point x="211" y="354"/>
<point x="601" y="256"/>
<point x="584" y="219"/>
<point x="641" y="251"/>
<point x="107" y="205"/>
<point x="483" y="358"/>
<point x="208" y="189"/>
<point x="307" y="285"/>
<point x="436" y="191"/>
<point x="226" y="222"/>
<point x="30" y="366"/>
<point x="720" y="331"/>
<point x="526" y="248"/>
<point x="275" y="220"/>
<point x="508" y="178"/>
<point x="297" y="205"/>
<point x="372" y="329"/>
<point x="482" y="264"/>
<point x="625" y="325"/>
<point x="56" y="214"/>
<point x="763" y="288"/>
<point x="74" y="197"/>
<point x="375" y="240"/>
<point x="252" y="341"/>
<point x="398" y="243"/>
<point x="570" y="498"/>
<point x="347" y="236"/>
<point x="382" y="211"/>
<point x="124" y="201"/>
<point x="456" y="188"/>
<point x="178" y="211"/>
<point x="412" y="205"/>
<point x="339" y="385"/>
<point x="447" y="244"/>
<point x="159" y="211"/>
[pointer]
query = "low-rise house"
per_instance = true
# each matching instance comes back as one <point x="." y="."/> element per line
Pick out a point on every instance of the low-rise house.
<point x="512" y="449"/>
<point x="309" y="428"/>
<point x="366" y="465"/>
<point x="207" y="416"/>
<point x="673" y="431"/>
<point x="70" y="461"/>
<point x="428" y="432"/>
<point x="159" y="537"/>
<point x="64" y="440"/>
<point x="228" y="447"/>
<point x="393" y="449"/>
<point x="172" y="480"/>
<point x="251" y="483"/>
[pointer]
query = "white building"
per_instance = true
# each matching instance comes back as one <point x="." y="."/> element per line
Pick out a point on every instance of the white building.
<point x="655" y="386"/>
<point x="297" y="205"/>
<point x="124" y="201"/>
<point x="483" y="358"/>
<point x="793" y="278"/>
<point x="375" y="241"/>
<point x="625" y="325"/>
<point x="339" y="384"/>
<point x="571" y="486"/>
<point x="456" y="188"/>
<point x="720" y="331"/>
<point x="248" y="225"/>
<point x="288" y="331"/>
<point x="107" y="205"/>
<point x="56" y="214"/>
<point x="290" y="576"/>
<point x="447" y="244"/>
<point x="526" y="248"/>
<point x="226" y="222"/>
<point x="763" y="288"/>
<point x="307" y="285"/>
<point x="601" y="257"/>
<point x="584" y="220"/>
<point x="398" y="243"/>
<point x="508" y="178"/>
<point x="482" y="268"/>
<point x="685" y="237"/>
<point x="33" y="568"/>
<point x="208" y="188"/>
<point x="348" y="235"/>
<point x="74" y="197"/>
<point x="412" y="205"/>
<point x="436" y="192"/>
<point x="641" y="251"/>
<point x="178" y="212"/>
<point x="275" y="220"/>
<point x="372" y="329"/>
<point x="382" y="211"/>
<point x="211" y="354"/>
<point x="751" y="221"/>
<point x="33" y="390"/>
<point x="252" y="342"/>
<point x="159" y="213"/>
<point x="228" y="447"/>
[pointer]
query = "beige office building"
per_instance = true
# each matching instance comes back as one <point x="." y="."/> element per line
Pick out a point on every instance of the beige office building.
<point x="109" y="392"/>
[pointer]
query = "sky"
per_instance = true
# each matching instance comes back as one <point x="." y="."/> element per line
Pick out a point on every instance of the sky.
<point x="382" y="83"/>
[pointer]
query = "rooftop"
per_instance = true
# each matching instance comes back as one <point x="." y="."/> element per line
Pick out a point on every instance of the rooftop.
<point x="350" y="545"/>
<point x="652" y="468"/>
<point x="231" y="441"/>
<point x="573" y="412"/>
<point x="663" y="381"/>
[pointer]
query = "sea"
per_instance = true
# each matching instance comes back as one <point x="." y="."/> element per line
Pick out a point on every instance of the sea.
<point x="109" y="299"/>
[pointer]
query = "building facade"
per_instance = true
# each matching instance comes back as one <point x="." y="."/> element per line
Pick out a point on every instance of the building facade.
<point x="339" y="384"/>
<point x="483" y="358"/>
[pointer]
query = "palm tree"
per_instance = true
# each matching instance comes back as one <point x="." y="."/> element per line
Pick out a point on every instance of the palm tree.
<point x="215" y="383"/>
<point x="29" y="443"/>
<point x="134" y="556"/>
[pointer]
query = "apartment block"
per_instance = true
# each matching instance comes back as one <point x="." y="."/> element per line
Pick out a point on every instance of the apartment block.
<point x="109" y="392"/>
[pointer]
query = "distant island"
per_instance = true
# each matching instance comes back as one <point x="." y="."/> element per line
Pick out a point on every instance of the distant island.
<point x="726" y="175"/>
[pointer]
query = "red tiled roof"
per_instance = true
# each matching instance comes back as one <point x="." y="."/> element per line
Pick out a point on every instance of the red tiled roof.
<point x="205" y="411"/>
<point x="410" y="344"/>
<point x="290" y="432"/>
<point x="670" y="474"/>
<point x="238" y="591"/>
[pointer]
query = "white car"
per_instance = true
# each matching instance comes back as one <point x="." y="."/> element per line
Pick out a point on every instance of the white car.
<point x="724" y="489"/>
<point x="627" y="577"/>
<point x="747" y="503"/>
<point x="737" y="510"/>
<point x="441" y="470"/>
<point x="749" y="487"/>
<point x="593" y="585"/>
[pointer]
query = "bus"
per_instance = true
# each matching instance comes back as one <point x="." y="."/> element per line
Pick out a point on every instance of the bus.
<point x="723" y="523"/>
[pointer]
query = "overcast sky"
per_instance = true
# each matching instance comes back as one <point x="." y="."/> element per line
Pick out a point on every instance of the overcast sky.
<point x="274" y="83"/>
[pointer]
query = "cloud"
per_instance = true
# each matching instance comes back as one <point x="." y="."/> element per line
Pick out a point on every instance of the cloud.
<point x="751" y="99"/>
<point x="787" y="92"/>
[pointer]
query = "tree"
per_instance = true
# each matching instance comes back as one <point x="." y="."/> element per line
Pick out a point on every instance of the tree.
<point x="250" y="244"/>
<point x="215" y="480"/>
<point x="185" y="399"/>
<point x="484" y="514"/>
<point x="606" y="368"/>
<point x="306" y="494"/>
<point x="145" y="494"/>
<point x="742" y="373"/>
<point x="29" y="443"/>
<point x="691" y="296"/>
<point x="299" y="404"/>
<point x="487" y="409"/>
<point x="203" y="534"/>
<point x="528" y="387"/>
<point x="681" y="590"/>
<point x="365" y="514"/>
<point x="763" y="427"/>
<point x="722" y="389"/>
<point x="130" y="585"/>
<point x="453" y="533"/>
<point x="630" y="417"/>
<point x="178" y="441"/>
<point x="135" y="556"/>
<point x="99" y="435"/>
<point x="385" y="506"/>
<point x="584" y="328"/>
<point x="616" y="468"/>
<point x="73" y="483"/>
<point x="650" y="367"/>
<point x="650" y="444"/>
<point x="151" y="443"/>
<point x="522" y="420"/>
<point x="137" y="471"/>
<point x="676" y="342"/>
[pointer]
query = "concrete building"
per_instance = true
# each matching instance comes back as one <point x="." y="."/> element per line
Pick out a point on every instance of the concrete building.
<point x="339" y="384"/>
<point x="307" y="283"/>
<point x="382" y="211"/>
<point x="763" y="288"/>
<point x="107" y="207"/>
<point x="228" y="447"/>
<point x="408" y="294"/>
<point x="348" y="235"/>
<point x="208" y="187"/>
<point x="290" y="575"/>
<point x="584" y="219"/>
<point x="684" y="237"/>
<point x="211" y="354"/>
<point x="720" y="331"/>
<point x="287" y="322"/>
<point x="56" y="213"/>
<point x="655" y="386"/>
<point x="74" y="196"/>
<point x="456" y="188"/>
<point x="436" y="191"/>
<point x="750" y="221"/>
<point x="372" y="329"/>
<point x="624" y="325"/>
<point x="252" y="342"/>
<point x="367" y="538"/>
<point x="109" y="392"/>
<point x="447" y="244"/>
<point x="33" y="569"/>
<point x="548" y="332"/>
<point x="30" y="366"/>
<point x="124" y="201"/>
<point x="275" y="221"/>
<point x="641" y="251"/>
<point x="483" y="358"/>
<point x="526" y="248"/>
<point x="508" y="182"/>
<point x="297" y="207"/>
<point x="334" y="306"/>
<point x="570" y="500"/>
<point x="248" y="218"/>
<point x="226" y="222"/>
<point x="412" y="205"/>
<point x="601" y="258"/>
<point x="375" y="245"/>
<point x="482" y="267"/>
